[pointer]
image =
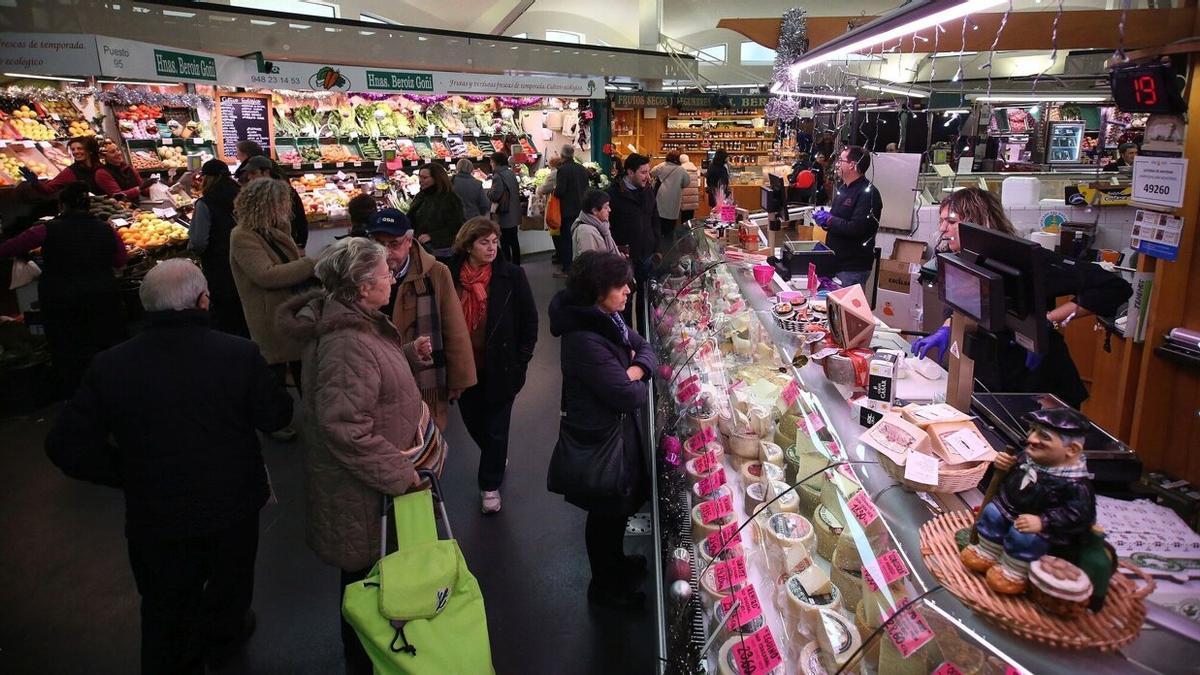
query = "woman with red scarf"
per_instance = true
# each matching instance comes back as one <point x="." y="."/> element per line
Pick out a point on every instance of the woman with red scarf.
<point x="503" y="323"/>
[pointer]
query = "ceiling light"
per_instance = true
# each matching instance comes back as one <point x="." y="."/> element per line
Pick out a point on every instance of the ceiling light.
<point x="260" y="22"/>
<point x="24" y="76"/>
<point x="182" y="15"/>
<point x="959" y="111"/>
<point x="1037" y="98"/>
<point x="923" y="15"/>
<point x="778" y="90"/>
<point x="914" y="93"/>
<point x="422" y="38"/>
<point x="941" y="55"/>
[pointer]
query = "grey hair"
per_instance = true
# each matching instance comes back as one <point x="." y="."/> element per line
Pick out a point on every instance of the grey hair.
<point x="172" y="285"/>
<point x="465" y="166"/>
<point x="568" y="151"/>
<point x="347" y="265"/>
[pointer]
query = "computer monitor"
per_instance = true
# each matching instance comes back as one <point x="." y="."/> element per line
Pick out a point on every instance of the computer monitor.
<point x="773" y="199"/>
<point x="972" y="290"/>
<point x="1021" y="266"/>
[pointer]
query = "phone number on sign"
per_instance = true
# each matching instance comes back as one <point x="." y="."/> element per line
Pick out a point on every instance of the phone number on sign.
<point x="275" y="79"/>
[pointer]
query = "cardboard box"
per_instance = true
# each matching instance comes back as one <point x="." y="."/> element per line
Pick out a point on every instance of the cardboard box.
<point x="850" y="320"/>
<point x="881" y="382"/>
<point x="897" y="273"/>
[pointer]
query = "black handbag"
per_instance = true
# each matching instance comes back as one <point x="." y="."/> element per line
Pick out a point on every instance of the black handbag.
<point x="590" y="462"/>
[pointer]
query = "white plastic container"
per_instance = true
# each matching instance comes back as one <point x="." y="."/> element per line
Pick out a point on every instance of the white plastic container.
<point x="1021" y="192"/>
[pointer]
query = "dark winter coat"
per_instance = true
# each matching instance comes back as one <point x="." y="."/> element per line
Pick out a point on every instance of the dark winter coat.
<point x="504" y="181"/>
<point x="852" y="225"/>
<point x="437" y="214"/>
<point x="1067" y="506"/>
<point x="570" y="185"/>
<point x="470" y="191"/>
<point x="633" y="221"/>
<point x="597" y="390"/>
<point x="511" y="331"/>
<point x="171" y="417"/>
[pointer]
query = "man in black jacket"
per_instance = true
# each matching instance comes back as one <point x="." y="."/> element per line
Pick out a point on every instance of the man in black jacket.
<point x="634" y="223"/>
<point x="570" y="183"/>
<point x="170" y="418"/>
<point x="853" y="218"/>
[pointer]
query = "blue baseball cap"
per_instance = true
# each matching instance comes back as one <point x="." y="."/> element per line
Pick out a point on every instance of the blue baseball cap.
<point x="390" y="221"/>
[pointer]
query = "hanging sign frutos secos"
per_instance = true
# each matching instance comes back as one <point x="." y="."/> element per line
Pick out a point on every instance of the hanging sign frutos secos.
<point x="663" y="99"/>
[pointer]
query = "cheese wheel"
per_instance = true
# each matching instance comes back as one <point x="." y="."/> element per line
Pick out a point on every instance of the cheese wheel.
<point x="700" y="529"/>
<point x="731" y="551"/>
<point x="708" y="447"/>
<point x="788" y="530"/>
<point x="845" y="555"/>
<point x="708" y="588"/>
<point x="809" y="498"/>
<point x="690" y="468"/>
<point x="744" y="445"/>
<point x="838" y="637"/>
<point x="770" y="453"/>
<point x="727" y="659"/>
<point x="788" y="502"/>
<point x="871" y="654"/>
<point x="804" y="604"/>
<point x="850" y="581"/>
<point x="723" y="630"/>
<point x="828" y="530"/>
<point x="753" y="471"/>
<point x="703" y="422"/>
<point x="810" y="660"/>
<point x="755" y="492"/>
<point x="721" y="491"/>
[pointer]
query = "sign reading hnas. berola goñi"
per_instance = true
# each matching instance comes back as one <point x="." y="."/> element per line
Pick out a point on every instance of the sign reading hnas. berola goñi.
<point x="175" y="64"/>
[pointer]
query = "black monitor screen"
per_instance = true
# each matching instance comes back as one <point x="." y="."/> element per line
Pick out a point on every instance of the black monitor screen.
<point x="964" y="291"/>
<point x="1022" y="265"/>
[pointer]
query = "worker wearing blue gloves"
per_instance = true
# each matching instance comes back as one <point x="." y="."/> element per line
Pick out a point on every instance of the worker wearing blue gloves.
<point x="853" y="219"/>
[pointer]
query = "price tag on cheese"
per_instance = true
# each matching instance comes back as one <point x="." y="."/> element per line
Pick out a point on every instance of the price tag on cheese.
<point x="891" y="566"/>
<point x="790" y="393"/>
<point x="815" y="423"/>
<point x="706" y="461"/>
<point x="757" y="654"/>
<point x="168" y="141"/>
<point x="748" y="608"/>
<point x="704" y="437"/>
<point x="863" y="508"/>
<point x="846" y="471"/>
<point x="921" y="468"/>
<point x="688" y="393"/>
<point x="947" y="668"/>
<point x="729" y="573"/>
<point x="908" y="631"/>
<point x="690" y="379"/>
<point x="708" y="484"/>
<point x="967" y="443"/>
<point x="165" y="213"/>
<point x="317" y="165"/>
<point x="714" y="509"/>
<point x="717" y="540"/>
<point x="736" y="307"/>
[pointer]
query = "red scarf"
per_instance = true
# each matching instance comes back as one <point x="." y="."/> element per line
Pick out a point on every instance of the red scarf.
<point x="473" y="295"/>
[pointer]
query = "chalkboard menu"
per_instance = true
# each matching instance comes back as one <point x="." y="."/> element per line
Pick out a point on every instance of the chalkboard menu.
<point x="243" y="117"/>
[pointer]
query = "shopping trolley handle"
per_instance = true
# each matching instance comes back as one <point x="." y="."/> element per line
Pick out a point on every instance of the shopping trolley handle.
<point x="435" y="485"/>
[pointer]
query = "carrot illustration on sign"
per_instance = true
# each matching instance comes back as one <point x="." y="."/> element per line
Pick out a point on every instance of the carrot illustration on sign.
<point x="328" y="78"/>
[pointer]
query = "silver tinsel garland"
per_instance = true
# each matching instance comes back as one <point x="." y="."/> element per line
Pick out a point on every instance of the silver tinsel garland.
<point x="793" y="43"/>
<point x="119" y="96"/>
<point x="782" y="109"/>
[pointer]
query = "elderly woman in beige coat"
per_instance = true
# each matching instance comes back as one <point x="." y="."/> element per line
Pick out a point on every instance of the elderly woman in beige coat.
<point x="267" y="269"/>
<point x="689" y="199"/>
<point x="365" y="426"/>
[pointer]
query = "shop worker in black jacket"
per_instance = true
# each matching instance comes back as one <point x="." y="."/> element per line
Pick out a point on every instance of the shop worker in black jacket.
<point x="853" y="218"/>
<point x="171" y="417"/>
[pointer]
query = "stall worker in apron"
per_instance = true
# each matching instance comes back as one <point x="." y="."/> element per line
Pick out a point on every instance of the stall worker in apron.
<point x="852" y="220"/>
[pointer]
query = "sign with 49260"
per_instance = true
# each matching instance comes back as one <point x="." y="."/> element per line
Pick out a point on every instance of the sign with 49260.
<point x="1159" y="181"/>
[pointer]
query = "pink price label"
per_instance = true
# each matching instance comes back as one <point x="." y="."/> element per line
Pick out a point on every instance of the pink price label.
<point x="947" y="668"/>
<point x="717" y="540"/>
<point x="736" y="307"/>
<point x="891" y="565"/>
<point x="909" y="632"/>
<point x="707" y="485"/>
<point x="716" y="508"/>
<point x="815" y="423"/>
<point x="686" y="394"/>
<point x="737" y="385"/>
<point x="845" y="470"/>
<point x="791" y="392"/>
<point x="749" y="609"/>
<point x="813" y="282"/>
<point x="729" y="573"/>
<point x="699" y="440"/>
<point x="706" y="461"/>
<point x="689" y="380"/>
<point x="757" y="654"/>
<point x="862" y="507"/>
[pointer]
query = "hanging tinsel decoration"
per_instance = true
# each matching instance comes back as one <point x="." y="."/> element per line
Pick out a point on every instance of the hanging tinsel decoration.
<point x="782" y="109"/>
<point x="793" y="43"/>
<point x="47" y="93"/>
<point x="123" y="96"/>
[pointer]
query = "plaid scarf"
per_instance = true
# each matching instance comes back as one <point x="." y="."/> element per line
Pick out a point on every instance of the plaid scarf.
<point x="1031" y="470"/>
<point x="431" y="381"/>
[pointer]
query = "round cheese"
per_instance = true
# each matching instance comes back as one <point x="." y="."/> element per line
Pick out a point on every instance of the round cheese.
<point x="714" y="446"/>
<point x="772" y="454"/>
<point x="838" y="637"/>
<point x="809" y="496"/>
<point x="804" y="602"/>
<point x="788" y="501"/>
<point x="753" y="471"/>
<point x="744" y="445"/>
<point x="700" y="529"/>
<point x="727" y="659"/>
<point x="754" y="497"/>
<point x="828" y="530"/>
<point x="715" y="494"/>
<point x="871" y="654"/>
<point x="690" y="468"/>
<point x="810" y="660"/>
<point x="787" y="530"/>
<point x="731" y="551"/>
<point x="850" y="581"/>
<point x="845" y="555"/>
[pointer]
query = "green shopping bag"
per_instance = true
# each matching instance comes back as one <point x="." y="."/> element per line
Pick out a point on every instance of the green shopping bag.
<point x="420" y="611"/>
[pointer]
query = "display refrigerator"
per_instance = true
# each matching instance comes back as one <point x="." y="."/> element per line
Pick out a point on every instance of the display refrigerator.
<point x="786" y="545"/>
<point x="1065" y="144"/>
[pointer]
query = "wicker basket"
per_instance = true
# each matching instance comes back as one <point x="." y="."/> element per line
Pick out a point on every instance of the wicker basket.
<point x="1117" y="624"/>
<point x="950" y="478"/>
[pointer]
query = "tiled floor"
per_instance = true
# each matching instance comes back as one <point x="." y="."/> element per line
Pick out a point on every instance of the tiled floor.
<point x="69" y="604"/>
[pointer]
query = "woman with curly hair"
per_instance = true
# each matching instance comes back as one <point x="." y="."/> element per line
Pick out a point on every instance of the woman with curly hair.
<point x="268" y="269"/>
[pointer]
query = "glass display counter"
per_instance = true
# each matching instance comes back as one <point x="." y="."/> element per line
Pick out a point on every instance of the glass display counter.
<point x="786" y="546"/>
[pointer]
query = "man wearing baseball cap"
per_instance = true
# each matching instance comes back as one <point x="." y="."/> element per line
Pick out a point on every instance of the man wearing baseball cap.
<point x="424" y="302"/>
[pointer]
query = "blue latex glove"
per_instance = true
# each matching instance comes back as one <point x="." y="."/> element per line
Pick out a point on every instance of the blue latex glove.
<point x="1032" y="361"/>
<point x="28" y="174"/>
<point x="821" y="217"/>
<point x="939" y="340"/>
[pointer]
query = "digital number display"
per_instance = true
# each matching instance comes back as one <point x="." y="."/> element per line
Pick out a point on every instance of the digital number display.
<point x="1150" y="88"/>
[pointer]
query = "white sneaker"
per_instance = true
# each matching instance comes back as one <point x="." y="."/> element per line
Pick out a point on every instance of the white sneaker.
<point x="491" y="501"/>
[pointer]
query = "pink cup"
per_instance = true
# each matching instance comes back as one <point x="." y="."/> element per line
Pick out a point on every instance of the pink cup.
<point x="763" y="274"/>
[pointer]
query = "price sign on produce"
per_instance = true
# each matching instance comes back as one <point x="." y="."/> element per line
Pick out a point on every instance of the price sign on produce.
<point x="757" y="654"/>
<point x="1159" y="181"/>
<point x="790" y="393"/>
<point x="716" y="508"/>
<point x="947" y="668"/>
<point x="729" y="573"/>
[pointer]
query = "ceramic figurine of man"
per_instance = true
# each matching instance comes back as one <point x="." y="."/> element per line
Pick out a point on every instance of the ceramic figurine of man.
<point x="1046" y="501"/>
